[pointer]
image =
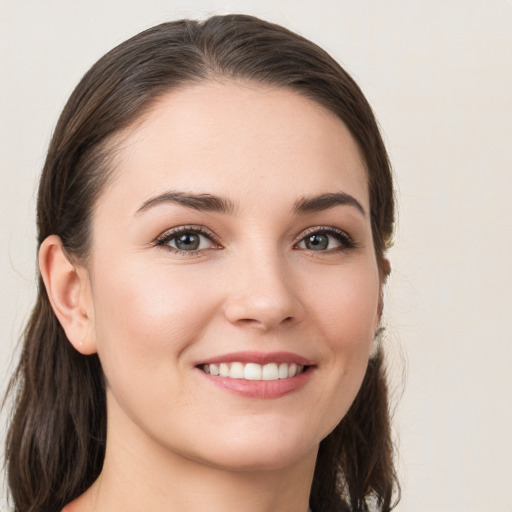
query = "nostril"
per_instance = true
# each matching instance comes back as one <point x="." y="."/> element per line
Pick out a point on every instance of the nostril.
<point x="266" y="310"/>
<point x="263" y="322"/>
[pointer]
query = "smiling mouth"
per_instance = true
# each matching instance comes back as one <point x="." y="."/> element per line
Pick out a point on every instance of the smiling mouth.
<point x="254" y="371"/>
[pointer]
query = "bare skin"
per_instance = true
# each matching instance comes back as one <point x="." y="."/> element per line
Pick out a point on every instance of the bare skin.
<point x="170" y="287"/>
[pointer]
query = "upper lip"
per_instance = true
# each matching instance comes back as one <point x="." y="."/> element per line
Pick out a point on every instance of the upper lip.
<point x="259" y="358"/>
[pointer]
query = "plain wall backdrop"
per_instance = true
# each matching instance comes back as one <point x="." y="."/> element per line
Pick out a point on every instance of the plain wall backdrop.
<point x="439" y="76"/>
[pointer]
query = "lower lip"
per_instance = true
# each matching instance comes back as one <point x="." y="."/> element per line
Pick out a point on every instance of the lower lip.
<point x="261" y="389"/>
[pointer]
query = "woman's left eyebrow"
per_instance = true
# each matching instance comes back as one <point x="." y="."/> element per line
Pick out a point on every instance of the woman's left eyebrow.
<point x="204" y="202"/>
<point x="327" y="201"/>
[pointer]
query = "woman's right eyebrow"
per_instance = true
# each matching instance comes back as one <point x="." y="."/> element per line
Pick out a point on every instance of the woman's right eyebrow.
<point x="204" y="202"/>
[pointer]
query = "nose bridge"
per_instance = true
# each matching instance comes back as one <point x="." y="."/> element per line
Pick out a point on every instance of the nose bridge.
<point x="261" y="291"/>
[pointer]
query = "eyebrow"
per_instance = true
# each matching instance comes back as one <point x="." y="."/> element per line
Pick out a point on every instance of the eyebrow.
<point x="203" y="202"/>
<point x="218" y="204"/>
<point x="327" y="201"/>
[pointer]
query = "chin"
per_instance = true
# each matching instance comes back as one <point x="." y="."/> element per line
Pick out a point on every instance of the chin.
<point x="266" y="453"/>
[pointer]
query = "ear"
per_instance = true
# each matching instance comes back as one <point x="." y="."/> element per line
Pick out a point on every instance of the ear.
<point x="385" y="270"/>
<point x="69" y="291"/>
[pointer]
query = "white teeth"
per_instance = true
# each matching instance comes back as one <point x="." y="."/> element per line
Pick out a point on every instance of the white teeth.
<point x="270" y="372"/>
<point x="236" y="371"/>
<point x="223" y="370"/>
<point x="283" y="371"/>
<point x="254" y="371"/>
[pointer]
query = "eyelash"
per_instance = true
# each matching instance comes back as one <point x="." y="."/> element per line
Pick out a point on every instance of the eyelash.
<point x="164" y="239"/>
<point x="345" y="240"/>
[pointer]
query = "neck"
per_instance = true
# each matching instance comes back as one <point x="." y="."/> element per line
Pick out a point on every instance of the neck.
<point x="139" y="474"/>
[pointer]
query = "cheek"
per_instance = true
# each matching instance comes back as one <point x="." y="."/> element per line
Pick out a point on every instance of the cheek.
<point x="144" y="319"/>
<point x="346" y="318"/>
<point x="346" y="306"/>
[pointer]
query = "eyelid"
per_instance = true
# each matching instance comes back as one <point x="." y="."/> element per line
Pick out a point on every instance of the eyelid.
<point x="169" y="234"/>
<point x="343" y="237"/>
<point x="346" y="241"/>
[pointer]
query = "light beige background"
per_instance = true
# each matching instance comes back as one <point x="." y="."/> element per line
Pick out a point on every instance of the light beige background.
<point x="439" y="75"/>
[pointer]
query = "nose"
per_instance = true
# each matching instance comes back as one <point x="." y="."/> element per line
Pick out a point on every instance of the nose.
<point x="263" y="294"/>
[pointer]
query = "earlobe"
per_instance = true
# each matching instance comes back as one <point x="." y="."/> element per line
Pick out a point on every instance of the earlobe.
<point x="386" y="268"/>
<point x="68" y="289"/>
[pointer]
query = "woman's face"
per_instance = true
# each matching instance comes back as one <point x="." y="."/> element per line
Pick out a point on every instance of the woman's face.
<point x="234" y="238"/>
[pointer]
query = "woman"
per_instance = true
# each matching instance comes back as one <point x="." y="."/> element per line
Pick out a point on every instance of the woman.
<point x="213" y="217"/>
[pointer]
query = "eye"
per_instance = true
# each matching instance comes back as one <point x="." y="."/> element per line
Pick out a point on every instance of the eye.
<point x="326" y="240"/>
<point x="186" y="239"/>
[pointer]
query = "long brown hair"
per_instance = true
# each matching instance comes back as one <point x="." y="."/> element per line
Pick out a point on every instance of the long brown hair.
<point x="56" y="440"/>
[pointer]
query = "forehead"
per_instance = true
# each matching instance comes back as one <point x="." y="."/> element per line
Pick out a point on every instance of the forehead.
<point x="235" y="139"/>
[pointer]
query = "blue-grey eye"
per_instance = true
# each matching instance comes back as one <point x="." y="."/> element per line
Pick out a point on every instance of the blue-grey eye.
<point x="317" y="242"/>
<point x="187" y="241"/>
<point x="326" y="240"/>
